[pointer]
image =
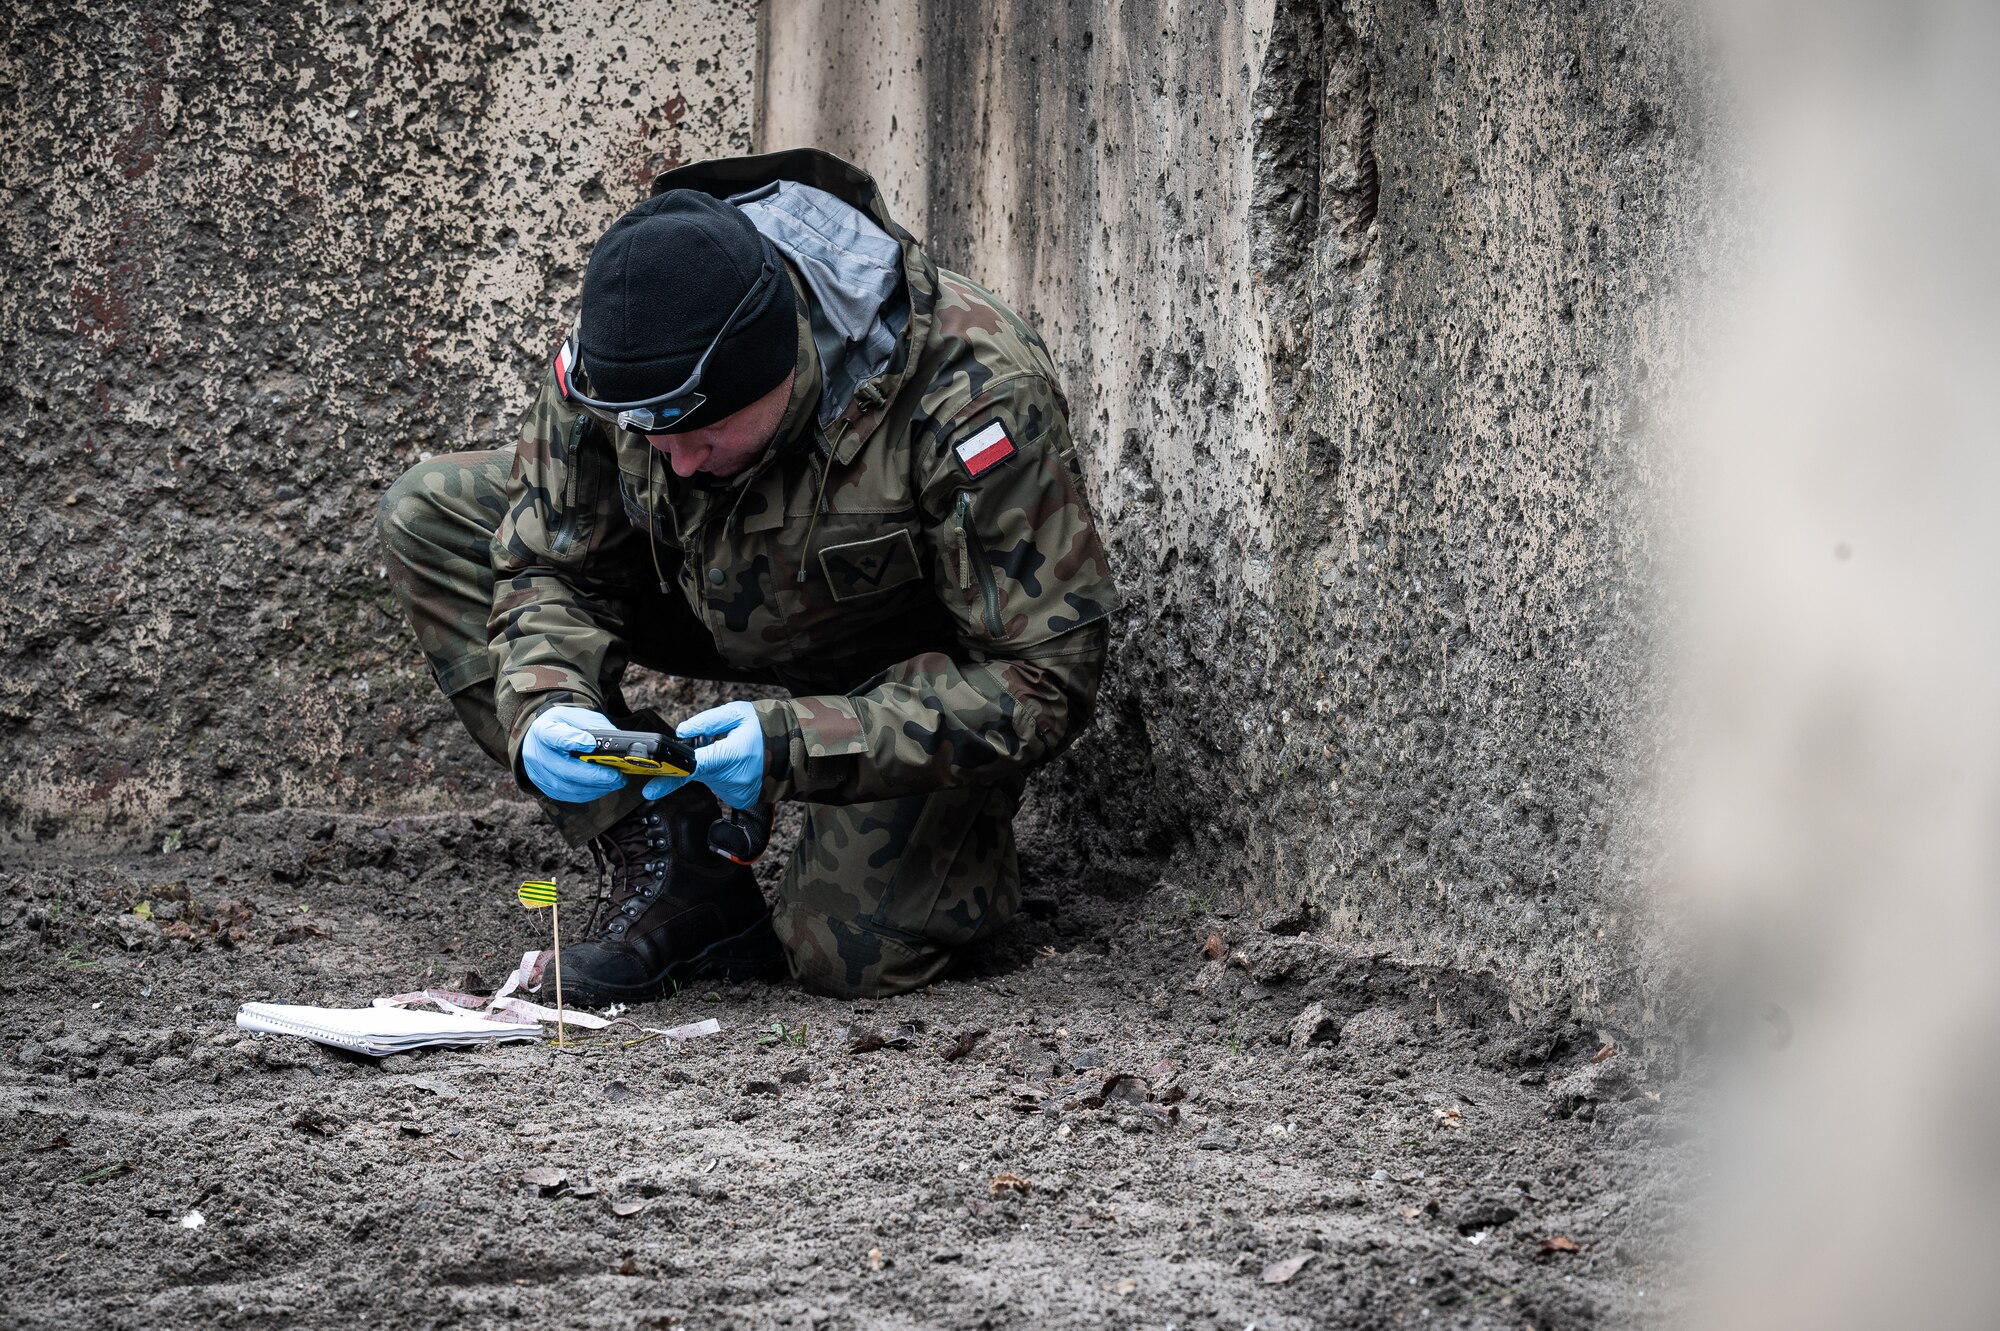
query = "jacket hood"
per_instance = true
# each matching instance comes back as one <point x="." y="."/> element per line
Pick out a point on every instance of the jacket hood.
<point x="871" y="287"/>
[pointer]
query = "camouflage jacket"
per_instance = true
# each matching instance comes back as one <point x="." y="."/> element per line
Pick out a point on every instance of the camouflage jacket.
<point x="917" y="563"/>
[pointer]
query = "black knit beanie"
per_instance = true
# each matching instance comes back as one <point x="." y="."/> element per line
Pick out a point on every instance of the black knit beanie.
<point x="660" y="284"/>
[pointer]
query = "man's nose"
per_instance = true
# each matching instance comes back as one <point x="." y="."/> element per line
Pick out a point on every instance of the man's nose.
<point x="684" y="455"/>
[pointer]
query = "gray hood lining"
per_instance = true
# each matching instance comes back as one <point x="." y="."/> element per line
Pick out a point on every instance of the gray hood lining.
<point x="853" y="272"/>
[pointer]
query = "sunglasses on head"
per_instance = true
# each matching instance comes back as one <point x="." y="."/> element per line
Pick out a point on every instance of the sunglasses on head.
<point x="661" y="413"/>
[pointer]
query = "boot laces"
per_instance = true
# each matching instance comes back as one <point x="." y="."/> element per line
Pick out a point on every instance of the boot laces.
<point x="632" y="857"/>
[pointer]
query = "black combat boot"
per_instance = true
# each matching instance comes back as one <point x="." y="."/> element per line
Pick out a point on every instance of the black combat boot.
<point x="672" y="911"/>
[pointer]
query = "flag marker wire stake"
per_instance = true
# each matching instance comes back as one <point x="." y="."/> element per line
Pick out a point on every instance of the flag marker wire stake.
<point x="536" y="893"/>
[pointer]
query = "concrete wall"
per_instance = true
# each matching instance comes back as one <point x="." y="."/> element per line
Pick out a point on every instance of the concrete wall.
<point x="259" y="259"/>
<point x="1368" y="312"/>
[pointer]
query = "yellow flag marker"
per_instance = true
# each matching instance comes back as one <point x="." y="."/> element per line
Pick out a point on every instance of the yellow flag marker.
<point x="536" y="893"/>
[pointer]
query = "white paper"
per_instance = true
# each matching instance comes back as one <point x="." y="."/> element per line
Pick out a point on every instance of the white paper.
<point x="377" y="1031"/>
<point x="692" y="1031"/>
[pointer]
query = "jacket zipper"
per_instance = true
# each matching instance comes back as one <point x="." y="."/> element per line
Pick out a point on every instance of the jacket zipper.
<point x="567" y="520"/>
<point x="972" y="552"/>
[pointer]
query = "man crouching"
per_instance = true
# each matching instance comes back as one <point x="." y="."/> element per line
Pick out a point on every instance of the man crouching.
<point x="780" y="446"/>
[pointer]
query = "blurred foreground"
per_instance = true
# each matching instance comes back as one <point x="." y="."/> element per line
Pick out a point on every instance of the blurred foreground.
<point x="1842" y="644"/>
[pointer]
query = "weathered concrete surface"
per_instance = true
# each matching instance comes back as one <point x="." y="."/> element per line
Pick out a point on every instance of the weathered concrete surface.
<point x="259" y="259"/>
<point x="1367" y="311"/>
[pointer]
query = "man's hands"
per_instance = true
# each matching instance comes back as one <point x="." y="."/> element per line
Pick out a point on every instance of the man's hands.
<point x="732" y="763"/>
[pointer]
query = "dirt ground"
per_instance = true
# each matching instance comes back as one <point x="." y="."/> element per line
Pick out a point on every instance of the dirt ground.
<point x="1128" y="1112"/>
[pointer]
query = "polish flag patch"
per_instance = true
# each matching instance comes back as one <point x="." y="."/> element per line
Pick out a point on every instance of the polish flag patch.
<point x="985" y="451"/>
<point x="562" y="369"/>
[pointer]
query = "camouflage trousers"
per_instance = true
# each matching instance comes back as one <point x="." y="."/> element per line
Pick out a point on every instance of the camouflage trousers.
<point x="877" y="898"/>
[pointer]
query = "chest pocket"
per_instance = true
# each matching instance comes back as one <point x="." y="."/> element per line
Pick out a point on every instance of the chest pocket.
<point x="860" y="569"/>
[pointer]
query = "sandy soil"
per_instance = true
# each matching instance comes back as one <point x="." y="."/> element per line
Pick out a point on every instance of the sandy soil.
<point x="1095" y="1124"/>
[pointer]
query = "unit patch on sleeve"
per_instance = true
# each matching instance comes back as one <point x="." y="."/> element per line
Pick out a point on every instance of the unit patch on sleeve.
<point x="985" y="451"/>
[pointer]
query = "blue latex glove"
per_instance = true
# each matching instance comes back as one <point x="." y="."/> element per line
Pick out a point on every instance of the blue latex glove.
<point x="552" y="738"/>
<point x="732" y="763"/>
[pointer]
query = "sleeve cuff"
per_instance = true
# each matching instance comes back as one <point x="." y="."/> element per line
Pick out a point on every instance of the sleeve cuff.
<point x="780" y="728"/>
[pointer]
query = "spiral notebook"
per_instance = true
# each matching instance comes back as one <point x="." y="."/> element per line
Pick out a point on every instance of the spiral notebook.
<point x="379" y="1031"/>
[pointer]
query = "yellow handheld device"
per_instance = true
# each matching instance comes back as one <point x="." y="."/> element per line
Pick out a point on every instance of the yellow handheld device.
<point x="639" y="752"/>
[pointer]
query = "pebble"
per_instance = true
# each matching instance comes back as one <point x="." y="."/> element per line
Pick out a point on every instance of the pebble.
<point x="1314" y="1026"/>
